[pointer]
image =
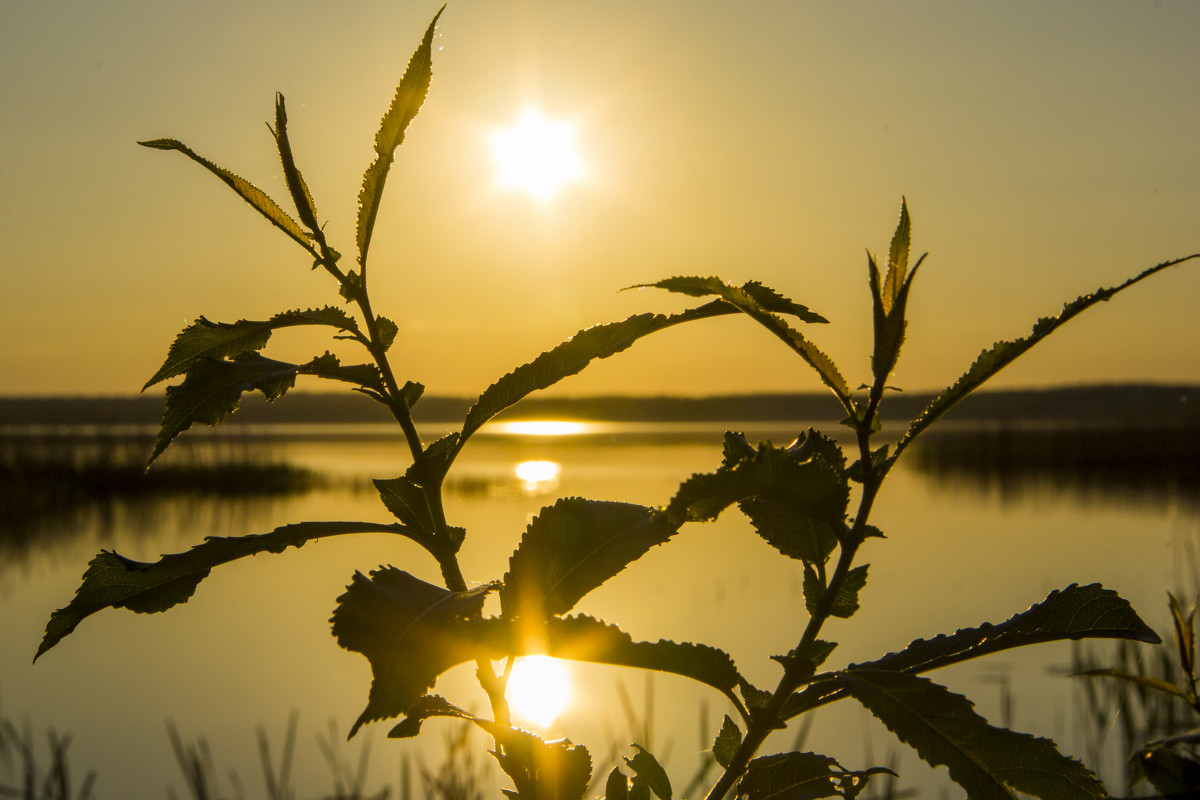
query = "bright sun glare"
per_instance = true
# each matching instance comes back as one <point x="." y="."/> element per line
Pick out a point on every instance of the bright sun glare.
<point x="539" y="689"/>
<point x="537" y="156"/>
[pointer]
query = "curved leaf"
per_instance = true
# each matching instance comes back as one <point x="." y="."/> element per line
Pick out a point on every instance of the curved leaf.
<point x="431" y="705"/>
<point x="571" y="548"/>
<point x="246" y="190"/>
<point x="1002" y="354"/>
<point x="647" y="768"/>
<point x="541" y="770"/>
<point x="305" y="206"/>
<point x="203" y="339"/>
<point x="801" y="776"/>
<point x="1076" y="612"/>
<point x="943" y="728"/>
<point x="410" y="94"/>
<point x="409" y="630"/>
<point x="113" y="581"/>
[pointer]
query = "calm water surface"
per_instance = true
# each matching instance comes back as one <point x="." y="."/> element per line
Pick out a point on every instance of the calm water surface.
<point x="253" y="644"/>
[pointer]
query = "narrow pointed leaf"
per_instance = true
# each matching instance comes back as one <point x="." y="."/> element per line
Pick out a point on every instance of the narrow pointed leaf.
<point x="990" y="763"/>
<point x="305" y="207"/>
<point x="571" y="548"/>
<point x="410" y="94"/>
<point x="897" y="260"/>
<point x="113" y="581"/>
<point x="646" y="766"/>
<point x="410" y="631"/>
<point x="431" y="705"/>
<point x="213" y="389"/>
<point x="1003" y="353"/>
<point x="246" y="190"/>
<point x="215" y="340"/>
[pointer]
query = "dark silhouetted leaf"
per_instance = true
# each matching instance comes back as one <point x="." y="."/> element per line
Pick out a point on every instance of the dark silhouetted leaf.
<point x="113" y="581"/>
<point x="327" y="366"/>
<point x="387" y="331"/>
<point x="411" y="632"/>
<point x="247" y="191"/>
<point x="989" y="762"/>
<point x="428" y="706"/>
<point x="543" y="770"/>
<point x="727" y="742"/>
<point x="410" y="94"/>
<point x="617" y="786"/>
<point x="1002" y="354"/>
<point x="1077" y="612"/>
<point x="803" y="663"/>
<point x="305" y="207"/>
<point x="216" y="340"/>
<point x="407" y="502"/>
<point x="648" y="769"/>
<point x="571" y="548"/>
<point x="790" y="776"/>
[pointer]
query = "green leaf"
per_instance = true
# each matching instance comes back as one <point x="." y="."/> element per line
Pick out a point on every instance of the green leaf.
<point x="113" y="581"/>
<point x="216" y="340"/>
<point x="213" y="389"/>
<point x="570" y="358"/>
<point x="748" y="299"/>
<point x="1004" y="353"/>
<point x="897" y="260"/>
<point x="845" y="603"/>
<point x="410" y="94"/>
<point x="387" y="331"/>
<point x="431" y="705"/>
<point x="411" y="632"/>
<point x="727" y="742"/>
<point x="989" y="762"/>
<point x="791" y="531"/>
<point x="305" y="206"/>
<point x="541" y="770"/>
<point x="648" y="769"/>
<point x="1076" y="612"/>
<point x="765" y="297"/>
<point x="247" y="191"/>
<point x="571" y="548"/>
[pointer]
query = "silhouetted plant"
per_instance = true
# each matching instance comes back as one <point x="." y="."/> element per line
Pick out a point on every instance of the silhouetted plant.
<point x="798" y="497"/>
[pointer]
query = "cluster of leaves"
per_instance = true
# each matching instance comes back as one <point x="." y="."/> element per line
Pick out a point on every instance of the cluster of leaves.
<point x="797" y="497"/>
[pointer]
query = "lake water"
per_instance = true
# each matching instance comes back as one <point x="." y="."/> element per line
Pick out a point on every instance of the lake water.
<point x="253" y="644"/>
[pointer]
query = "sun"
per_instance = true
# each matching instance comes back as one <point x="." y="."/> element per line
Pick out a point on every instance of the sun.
<point x="539" y="689"/>
<point x="537" y="156"/>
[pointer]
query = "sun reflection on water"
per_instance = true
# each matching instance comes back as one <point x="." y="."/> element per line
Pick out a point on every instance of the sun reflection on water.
<point x="540" y="427"/>
<point x="537" y="477"/>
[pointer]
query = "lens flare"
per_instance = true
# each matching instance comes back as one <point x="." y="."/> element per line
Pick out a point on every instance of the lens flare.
<point x="539" y="689"/>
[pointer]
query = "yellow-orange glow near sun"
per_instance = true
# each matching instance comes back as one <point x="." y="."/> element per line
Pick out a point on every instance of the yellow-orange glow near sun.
<point x="537" y="156"/>
<point x="539" y="689"/>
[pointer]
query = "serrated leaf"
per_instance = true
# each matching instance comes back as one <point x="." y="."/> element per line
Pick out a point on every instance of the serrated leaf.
<point x="409" y="630"/>
<point x="727" y="742"/>
<point x="572" y="547"/>
<point x="803" y="663"/>
<point x="572" y="356"/>
<point x="617" y="786"/>
<point x="305" y="207"/>
<point x="541" y="770"/>
<point x="327" y="366"/>
<point x="113" y="581"/>
<point x="387" y="331"/>
<point x="845" y="603"/>
<point x="213" y="389"/>
<point x="897" y="259"/>
<point x="648" y="769"/>
<point x="1003" y="353"/>
<point x="216" y="340"/>
<point x="791" y="531"/>
<point x="1077" y="612"/>
<point x="410" y="94"/>
<point x="431" y="705"/>
<point x="790" y="776"/>
<point x="765" y="297"/>
<point x="246" y="190"/>
<point x="989" y="762"/>
<point x="407" y="502"/>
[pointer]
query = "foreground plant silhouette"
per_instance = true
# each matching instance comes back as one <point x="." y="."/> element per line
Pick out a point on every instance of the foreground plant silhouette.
<point x="797" y="497"/>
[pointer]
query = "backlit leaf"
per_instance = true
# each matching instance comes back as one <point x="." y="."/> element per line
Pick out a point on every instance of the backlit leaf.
<point x="113" y="581"/>
<point x="542" y="770"/>
<point x="571" y="548"/>
<point x="410" y="94"/>
<point x="247" y="191"/>
<point x="407" y="502"/>
<point x="897" y="260"/>
<point x="990" y="763"/>
<point x="728" y="741"/>
<point x="428" y="706"/>
<point x="790" y="776"/>
<point x="648" y="769"/>
<point x="305" y="206"/>
<point x="411" y="632"/>
<point x="1003" y="353"/>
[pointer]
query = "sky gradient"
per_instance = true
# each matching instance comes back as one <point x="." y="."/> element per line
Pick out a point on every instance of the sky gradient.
<point x="1045" y="150"/>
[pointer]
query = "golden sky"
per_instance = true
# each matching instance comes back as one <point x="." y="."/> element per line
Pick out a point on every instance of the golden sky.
<point x="1045" y="150"/>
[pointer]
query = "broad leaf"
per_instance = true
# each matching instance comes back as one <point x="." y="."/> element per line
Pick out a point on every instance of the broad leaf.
<point x="727" y="742"/>
<point x="407" y="502"/>
<point x="411" y="632"/>
<point x="410" y="94"/>
<point x="542" y="770"/>
<point x="305" y="206"/>
<point x="213" y="389"/>
<point x="990" y="763"/>
<point x="113" y="581"/>
<point x="791" y="531"/>
<point x="216" y="340"/>
<point x="846" y="602"/>
<point x="387" y="331"/>
<point x="1002" y="354"/>
<point x="790" y="776"/>
<point x="1076" y="612"/>
<point x="327" y="366"/>
<point x="246" y="190"/>
<point x="571" y="548"/>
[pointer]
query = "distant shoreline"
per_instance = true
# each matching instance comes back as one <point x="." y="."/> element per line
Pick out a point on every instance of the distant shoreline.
<point x="1158" y="404"/>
